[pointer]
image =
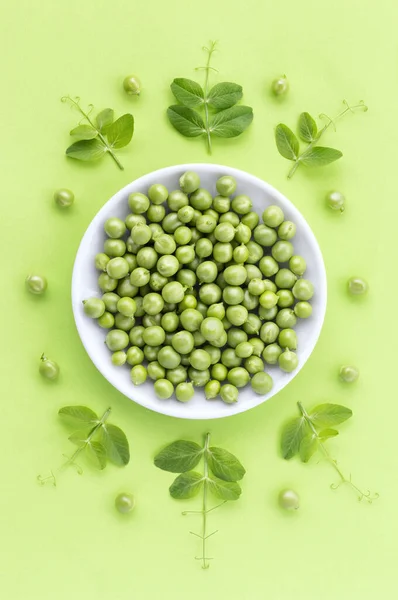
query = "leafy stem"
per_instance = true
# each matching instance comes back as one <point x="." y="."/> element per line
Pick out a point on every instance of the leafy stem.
<point x="344" y="480"/>
<point x="309" y="148"/>
<point x="207" y="68"/>
<point x="86" y="116"/>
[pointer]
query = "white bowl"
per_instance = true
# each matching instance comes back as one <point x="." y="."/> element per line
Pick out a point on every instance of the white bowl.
<point x="84" y="285"/>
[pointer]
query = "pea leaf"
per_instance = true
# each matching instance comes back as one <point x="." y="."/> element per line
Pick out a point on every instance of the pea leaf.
<point x="320" y="156"/>
<point x="187" y="91"/>
<point x="86" y="150"/>
<point x="226" y="490"/>
<point x="286" y="142"/>
<point x="231" y="122"/>
<point x="105" y="118"/>
<point x="186" y="121"/>
<point x="96" y="453"/>
<point x="224" y="95"/>
<point x="292" y="435"/>
<point x="224" y="464"/>
<point x="179" y="457"/>
<point x="78" y="415"/>
<point x="308" y="446"/>
<point x="325" y="434"/>
<point x="84" y="132"/>
<point x="327" y="415"/>
<point x="116" y="445"/>
<point x="307" y="127"/>
<point x="79" y="437"/>
<point x="120" y="132"/>
<point x="186" y="485"/>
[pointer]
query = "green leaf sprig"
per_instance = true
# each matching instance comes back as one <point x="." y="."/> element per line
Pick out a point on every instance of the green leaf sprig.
<point x="99" y="440"/>
<point x="105" y="135"/>
<point x="221" y="473"/>
<point x="306" y="434"/>
<point x="313" y="156"/>
<point x="208" y="112"/>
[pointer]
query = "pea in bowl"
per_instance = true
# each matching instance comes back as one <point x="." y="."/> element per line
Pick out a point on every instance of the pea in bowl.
<point x="273" y="351"/>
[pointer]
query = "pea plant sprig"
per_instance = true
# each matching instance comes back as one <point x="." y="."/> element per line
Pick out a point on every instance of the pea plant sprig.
<point x="204" y="112"/>
<point x="308" y="433"/>
<point x="221" y="473"/>
<point x="288" y="144"/>
<point x="99" y="440"/>
<point x="96" y="138"/>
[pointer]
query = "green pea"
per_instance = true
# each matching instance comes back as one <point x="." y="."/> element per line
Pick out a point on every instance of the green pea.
<point x="177" y="200"/>
<point x="94" y="307"/>
<point x="254" y="364"/>
<point x="198" y="339"/>
<point x="190" y="320"/>
<point x="253" y="272"/>
<point x="153" y="335"/>
<point x="177" y="375"/>
<point x="239" y="377"/>
<point x="114" y="227"/>
<point x="201" y="199"/>
<point x="269" y="332"/>
<point x="212" y="389"/>
<point x="221" y="204"/>
<point x="252" y="325"/>
<point x="230" y="359"/>
<point x="219" y="372"/>
<point x="157" y="281"/>
<point x="226" y="185"/>
<point x="236" y="336"/>
<point x="156" y="371"/>
<point x="230" y="217"/>
<point x="101" y="260"/>
<point x="147" y="257"/>
<point x="262" y="383"/>
<point x="125" y="288"/>
<point x="158" y="193"/>
<point x="136" y="336"/>
<point x="199" y="378"/>
<point x="287" y="230"/>
<point x="335" y="201"/>
<point x="303" y="289"/>
<point x="244" y="350"/>
<point x="184" y="391"/>
<point x="209" y="293"/>
<point x="221" y="341"/>
<point x="183" y="235"/>
<point x="297" y="265"/>
<point x="48" y="368"/>
<point x="138" y="203"/>
<point x="167" y="265"/>
<point x="140" y="277"/>
<point x="273" y="216"/>
<point x="207" y="272"/>
<point x="286" y="319"/>
<point x="242" y="204"/>
<point x="131" y="261"/>
<point x="243" y="233"/>
<point x="250" y="219"/>
<point x="119" y="358"/>
<point x="214" y="353"/>
<point x="189" y="182"/>
<point x="280" y="86"/>
<point x="348" y="374"/>
<point x="232" y="294"/>
<point x="202" y="308"/>
<point x="356" y="286"/>
<point x="258" y="345"/>
<point x="235" y="275"/>
<point x="229" y="393"/>
<point x="200" y="360"/>
<point x="132" y="87"/>
<point x="240" y="254"/>
<point x="135" y="356"/>
<point x="211" y="329"/>
<point x="141" y="234"/>
<point x="185" y="214"/>
<point x="189" y="301"/>
<point x="116" y="340"/>
<point x="151" y="320"/>
<point x="153" y="303"/>
<point x="222" y="252"/>
<point x="163" y="389"/>
<point x="206" y="223"/>
<point x="151" y="353"/>
<point x="287" y="339"/>
<point x="125" y="503"/>
<point x="289" y="500"/>
<point x="133" y="220"/>
<point x="271" y="354"/>
<point x="124" y="323"/>
<point x="171" y="222"/>
<point x="237" y="315"/>
<point x="285" y="279"/>
<point x="216" y="310"/>
<point x="282" y="251"/>
<point x="255" y="252"/>
<point x="285" y="298"/>
<point x="170" y="321"/>
<point x="224" y="232"/>
<point x="303" y="310"/>
<point x="186" y="277"/>
<point x="268" y="266"/>
<point x="168" y="357"/>
<point x="36" y="284"/>
<point x="110" y="300"/>
<point x="268" y="299"/>
<point x="64" y="198"/>
<point x="185" y="254"/>
<point x="106" y="321"/>
<point x="156" y="230"/>
<point x="288" y="361"/>
<point x="249" y="301"/>
<point x="114" y="247"/>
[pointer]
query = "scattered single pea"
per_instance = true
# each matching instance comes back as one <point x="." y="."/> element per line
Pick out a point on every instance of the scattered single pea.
<point x="132" y="85"/>
<point x="124" y="503"/>
<point x="336" y="201"/>
<point x="357" y="286"/>
<point x="349" y="374"/>
<point x="280" y="86"/>
<point x="36" y="284"/>
<point x="64" y="198"/>
<point x="289" y="500"/>
<point x="48" y="368"/>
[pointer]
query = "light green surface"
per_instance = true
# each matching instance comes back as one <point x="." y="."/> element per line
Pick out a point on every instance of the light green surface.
<point x="68" y="542"/>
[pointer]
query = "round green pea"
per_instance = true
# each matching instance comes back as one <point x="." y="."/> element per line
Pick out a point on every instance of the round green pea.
<point x="163" y="389"/>
<point x="229" y="393"/>
<point x="184" y="391"/>
<point x="262" y="383"/>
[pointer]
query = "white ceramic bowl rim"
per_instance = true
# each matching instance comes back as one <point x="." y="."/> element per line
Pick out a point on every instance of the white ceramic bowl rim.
<point x="91" y="334"/>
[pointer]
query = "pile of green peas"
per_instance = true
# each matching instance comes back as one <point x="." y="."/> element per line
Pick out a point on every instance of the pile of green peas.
<point x="197" y="292"/>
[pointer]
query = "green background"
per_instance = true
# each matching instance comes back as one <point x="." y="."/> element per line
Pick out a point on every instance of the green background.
<point x="68" y="542"/>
